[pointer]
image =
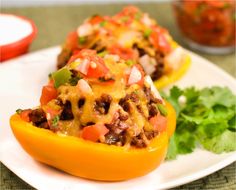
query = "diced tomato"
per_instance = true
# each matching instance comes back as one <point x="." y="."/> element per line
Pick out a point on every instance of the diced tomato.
<point x="94" y="132"/>
<point x="24" y="115"/>
<point x="97" y="67"/>
<point x="96" y="19"/>
<point x="49" y="92"/>
<point x="159" y="41"/>
<point x="124" y="53"/>
<point x="72" y="40"/>
<point x="75" y="51"/>
<point x="81" y="54"/>
<point x="129" y="11"/>
<point x="92" y="65"/>
<point x="127" y="15"/>
<point x="136" y="75"/>
<point x="159" y="123"/>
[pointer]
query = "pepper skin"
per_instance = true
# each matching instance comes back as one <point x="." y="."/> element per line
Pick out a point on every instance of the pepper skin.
<point x="92" y="160"/>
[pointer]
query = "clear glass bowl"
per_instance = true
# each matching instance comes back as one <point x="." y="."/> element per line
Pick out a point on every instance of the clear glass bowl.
<point x="207" y="25"/>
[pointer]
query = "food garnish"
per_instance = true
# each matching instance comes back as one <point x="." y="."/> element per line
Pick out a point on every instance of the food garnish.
<point x="206" y="117"/>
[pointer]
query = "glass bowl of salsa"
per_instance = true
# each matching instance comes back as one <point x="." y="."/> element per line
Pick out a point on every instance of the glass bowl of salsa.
<point x="207" y="25"/>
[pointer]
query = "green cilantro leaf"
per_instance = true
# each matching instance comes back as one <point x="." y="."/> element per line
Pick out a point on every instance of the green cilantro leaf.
<point x="208" y="118"/>
<point x="224" y="142"/>
<point x="55" y="121"/>
<point x="172" y="149"/>
<point x="18" y="111"/>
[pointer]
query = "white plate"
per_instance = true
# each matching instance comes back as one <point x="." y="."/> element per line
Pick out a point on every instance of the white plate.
<point x="21" y="81"/>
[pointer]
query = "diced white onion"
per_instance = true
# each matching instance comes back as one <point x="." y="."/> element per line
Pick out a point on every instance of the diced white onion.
<point x="83" y="67"/>
<point x="174" y="58"/>
<point x="135" y="76"/>
<point x="148" y="80"/>
<point x="146" y="20"/>
<point x="85" y="30"/>
<point x="148" y="64"/>
<point x="84" y="87"/>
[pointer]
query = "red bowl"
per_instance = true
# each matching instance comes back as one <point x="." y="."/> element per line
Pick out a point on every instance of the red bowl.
<point x="19" y="47"/>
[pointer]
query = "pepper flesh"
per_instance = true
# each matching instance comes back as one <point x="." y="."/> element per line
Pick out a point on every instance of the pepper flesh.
<point x="92" y="160"/>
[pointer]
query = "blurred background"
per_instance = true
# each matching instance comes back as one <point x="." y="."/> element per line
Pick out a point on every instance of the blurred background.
<point x="61" y="2"/>
<point x="55" y="18"/>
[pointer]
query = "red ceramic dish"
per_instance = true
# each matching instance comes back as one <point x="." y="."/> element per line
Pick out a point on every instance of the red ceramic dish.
<point x="18" y="47"/>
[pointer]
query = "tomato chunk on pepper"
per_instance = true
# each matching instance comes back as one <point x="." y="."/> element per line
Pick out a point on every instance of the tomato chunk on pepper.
<point x="25" y="115"/>
<point x="159" y="41"/>
<point x="124" y="53"/>
<point x="92" y="65"/>
<point x="94" y="132"/>
<point x="49" y="92"/>
<point x="159" y="123"/>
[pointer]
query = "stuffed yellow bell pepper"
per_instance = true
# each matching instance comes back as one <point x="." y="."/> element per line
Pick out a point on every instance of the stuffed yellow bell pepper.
<point x="136" y="38"/>
<point x="100" y="118"/>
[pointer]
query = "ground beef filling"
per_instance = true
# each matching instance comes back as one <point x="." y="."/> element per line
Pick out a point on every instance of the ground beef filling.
<point x="159" y="69"/>
<point x="117" y="134"/>
<point x="102" y="104"/>
<point x="63" y="58"/>
<point x="38" y="118"/>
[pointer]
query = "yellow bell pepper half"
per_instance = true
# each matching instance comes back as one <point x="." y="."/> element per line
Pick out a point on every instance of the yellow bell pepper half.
<point x="92" y="160"/>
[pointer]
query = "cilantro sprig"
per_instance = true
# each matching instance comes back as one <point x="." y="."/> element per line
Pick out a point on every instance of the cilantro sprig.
<point x="206" y="117"/>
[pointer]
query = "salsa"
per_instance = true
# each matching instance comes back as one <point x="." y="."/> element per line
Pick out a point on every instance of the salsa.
<point x="207" y="22"/>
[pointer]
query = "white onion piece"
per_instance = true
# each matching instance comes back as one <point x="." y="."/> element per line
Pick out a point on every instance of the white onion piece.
<point x="148" y="64"/>
<point x="135" y="76"/>
<point x="146" y="20"/>
<point x="83" y="67"/>
<point x="84" y="87"/>
<point x="174" y="58"/>
<point x="85" y="30"/>
<point x="148" y="80"/>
